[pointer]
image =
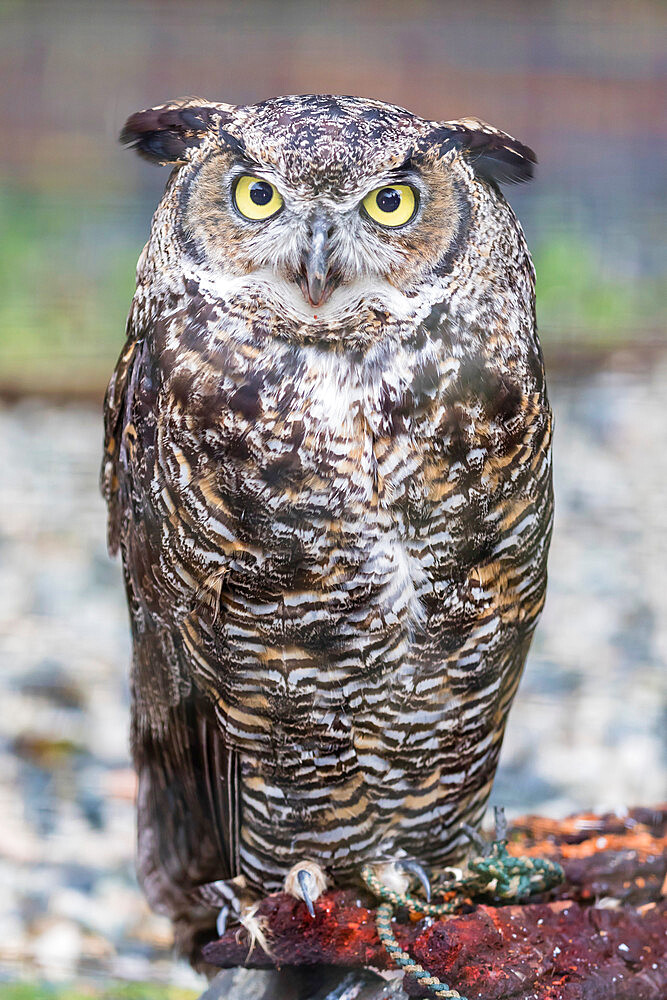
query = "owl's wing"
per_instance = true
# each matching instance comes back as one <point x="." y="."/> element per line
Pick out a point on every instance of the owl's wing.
<point x="188" y="777"/>
<point x="188" y="821"/>
<point x="115" y="402"/>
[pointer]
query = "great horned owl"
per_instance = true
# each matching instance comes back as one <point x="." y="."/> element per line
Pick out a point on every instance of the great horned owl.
<point x="328" y="470"/>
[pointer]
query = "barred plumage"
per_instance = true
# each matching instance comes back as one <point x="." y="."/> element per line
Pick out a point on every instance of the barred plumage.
<point x="334" y="517"/>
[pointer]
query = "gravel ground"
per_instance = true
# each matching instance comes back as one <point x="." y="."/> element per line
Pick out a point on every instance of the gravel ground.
<point x="587" y="728"/>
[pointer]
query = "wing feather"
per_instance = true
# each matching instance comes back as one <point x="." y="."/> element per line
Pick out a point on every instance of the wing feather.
<point x="188" y="810"/>
<point x="115" y="402"/>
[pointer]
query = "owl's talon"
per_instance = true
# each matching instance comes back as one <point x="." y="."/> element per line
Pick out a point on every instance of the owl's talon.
<point x="500" y="822"/>
<point x="221" y="920"/>
<point x="223" y="897"/>
<point x="414" y="867"/>
<point x="306" y="881"/>
<point x="304" y="878"/>
<point x="475" y="839"/>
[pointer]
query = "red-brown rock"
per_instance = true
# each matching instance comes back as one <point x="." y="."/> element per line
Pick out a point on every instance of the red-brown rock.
<point x="556" y="951"/>
<point x="342" y="933"/>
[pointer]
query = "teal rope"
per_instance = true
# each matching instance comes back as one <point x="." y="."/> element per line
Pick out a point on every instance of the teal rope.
<point x="510" y="878"/>
<point x="383" y="918"/>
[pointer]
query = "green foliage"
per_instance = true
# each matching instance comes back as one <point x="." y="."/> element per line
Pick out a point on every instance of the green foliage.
<point x="66" y="280"/>
<point x="574" y="295"/>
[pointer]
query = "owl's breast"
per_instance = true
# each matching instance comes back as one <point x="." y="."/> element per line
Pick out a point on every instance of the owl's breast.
<point x="310" y="458"/>
<point x="270" y="464"/>
<point x="319" y="519"/>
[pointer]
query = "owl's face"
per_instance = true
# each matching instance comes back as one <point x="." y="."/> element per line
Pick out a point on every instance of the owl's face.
<point x="323" y="196"/>
<point x="321" y="210"/>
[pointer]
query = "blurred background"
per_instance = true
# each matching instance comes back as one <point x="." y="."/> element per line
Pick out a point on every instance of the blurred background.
<point x="583" y="84"/>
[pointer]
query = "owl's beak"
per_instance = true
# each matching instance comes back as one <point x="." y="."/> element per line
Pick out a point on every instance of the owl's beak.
<point x="317" y="283"/>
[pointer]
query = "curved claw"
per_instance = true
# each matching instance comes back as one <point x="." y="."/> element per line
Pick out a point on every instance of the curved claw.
<point x="418" y="870"/>
<point x="221" y="921"/>
<point x="500" y="822"/>
<point x="475" y="839"/>
<point x="304" y="878"/>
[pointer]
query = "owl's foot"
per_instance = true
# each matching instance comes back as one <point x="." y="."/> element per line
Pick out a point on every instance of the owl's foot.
<point x="413" y="867"/>
<point x="227" y="897"/>
<point x="485" y="847"/>
<point x="398" y="873"/>
<point x="306" y="881"/>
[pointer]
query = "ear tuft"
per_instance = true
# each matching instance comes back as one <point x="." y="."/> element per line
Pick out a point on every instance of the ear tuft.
<point x="493" y="155"/>
<point x="164" y="134"/>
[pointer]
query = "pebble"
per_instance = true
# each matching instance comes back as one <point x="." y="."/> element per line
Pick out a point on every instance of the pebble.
<point x="58" y="949"/>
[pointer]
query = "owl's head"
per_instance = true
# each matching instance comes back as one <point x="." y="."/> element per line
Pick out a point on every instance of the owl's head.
<point x="324" y="196"/>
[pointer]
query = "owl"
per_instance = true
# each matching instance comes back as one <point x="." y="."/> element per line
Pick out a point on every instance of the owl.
<point x="328" y="471"/>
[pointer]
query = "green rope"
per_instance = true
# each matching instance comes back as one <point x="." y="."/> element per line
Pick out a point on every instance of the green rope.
<point x="415" y="905"/>
<point x="511" y="878"/>
<point x="498" y="873"/>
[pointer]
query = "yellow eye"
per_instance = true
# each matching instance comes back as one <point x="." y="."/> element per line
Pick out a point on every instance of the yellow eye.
<point x="391" y="206"/>
<point x="256" y="198"/>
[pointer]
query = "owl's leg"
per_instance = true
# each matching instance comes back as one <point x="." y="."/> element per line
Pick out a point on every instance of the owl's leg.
<point x="306" y="881"/>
